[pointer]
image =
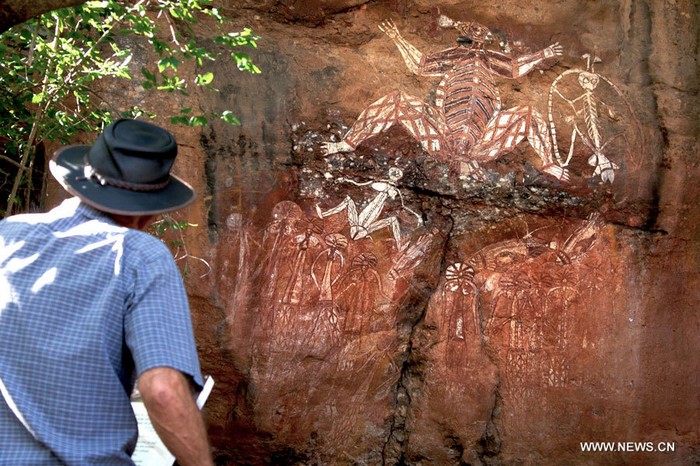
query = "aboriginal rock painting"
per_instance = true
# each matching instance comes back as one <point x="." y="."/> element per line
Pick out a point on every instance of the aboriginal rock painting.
<point x="336" y="271"/>
<point x="466" y="125"/>
<point x="331" y="278"/>
<point x="596" y="115"/>
<point x="343" y="261"/>
<point x="517" y="296"/>
<point x="367" y="221"/>
<point x="343" y="288"/>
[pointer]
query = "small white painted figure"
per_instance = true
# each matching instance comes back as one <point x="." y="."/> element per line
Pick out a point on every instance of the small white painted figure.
<point x="587" y="107"/>
<point x="466" y="125"/>
<point x="367" y="221"/>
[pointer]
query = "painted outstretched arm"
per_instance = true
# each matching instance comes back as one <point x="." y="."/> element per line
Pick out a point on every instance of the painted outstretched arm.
<point x="413" y="59"/>
<point x="418" y="217"/>
<point x="347" y="180"/>
<point x="526" y="63"/>
<point x="411" y="55"/>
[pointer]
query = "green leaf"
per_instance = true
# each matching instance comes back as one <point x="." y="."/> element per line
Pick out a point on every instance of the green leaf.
<point x="204" y="79"/>
<point x="159" y="46"/>
<point x="168" y="62"/>
<point x="148" y="75"/>
<point x="38" y="98"/>
<point x="179" y="120"/>
<point x="198" y="121"/>
<point x="230" y="118"/>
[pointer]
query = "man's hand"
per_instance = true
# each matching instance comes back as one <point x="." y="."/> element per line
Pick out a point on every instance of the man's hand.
<point x="174" y="414"/>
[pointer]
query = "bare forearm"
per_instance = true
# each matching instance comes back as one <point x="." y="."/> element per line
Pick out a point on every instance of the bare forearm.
<point x="175" y="417"/>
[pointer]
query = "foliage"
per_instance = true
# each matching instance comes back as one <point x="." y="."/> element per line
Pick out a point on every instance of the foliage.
<point x="171" y="232"/>
<point x="47" y="66"/>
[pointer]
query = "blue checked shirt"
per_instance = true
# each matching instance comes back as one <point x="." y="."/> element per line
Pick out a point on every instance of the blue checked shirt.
<point x="85" y="307"/>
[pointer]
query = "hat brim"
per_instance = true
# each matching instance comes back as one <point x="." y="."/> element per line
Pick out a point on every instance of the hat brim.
<point x="68" y="167"/>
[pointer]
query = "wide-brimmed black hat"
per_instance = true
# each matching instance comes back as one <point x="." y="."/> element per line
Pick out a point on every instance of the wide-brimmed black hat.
<point x="126" y="171"/>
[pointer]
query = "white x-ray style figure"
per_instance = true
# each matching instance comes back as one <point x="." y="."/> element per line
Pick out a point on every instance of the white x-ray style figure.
<point x="587" y="112"/>
<point x="367" y="221"/>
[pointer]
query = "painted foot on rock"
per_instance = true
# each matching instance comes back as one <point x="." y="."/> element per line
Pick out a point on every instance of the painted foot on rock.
<point x="603" y="167"/>
<point x="557" y="172"/>
<point x="329" y="148"/>
<point x="471" y="171"/>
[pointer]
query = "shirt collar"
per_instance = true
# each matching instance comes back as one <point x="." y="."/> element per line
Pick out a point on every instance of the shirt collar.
<point x="74" y="206"/>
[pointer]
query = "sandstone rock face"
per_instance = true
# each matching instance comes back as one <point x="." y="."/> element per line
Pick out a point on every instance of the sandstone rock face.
<point x="384" y="306"/>
<point x="396" y="304"/>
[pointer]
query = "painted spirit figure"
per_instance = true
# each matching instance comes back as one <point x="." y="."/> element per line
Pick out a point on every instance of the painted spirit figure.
<point x="591" y="118"/>
<point x="309" y="239"/>
<point x="466" y="125"/>
<point x="367" y="221"/>
<point x="332" y="261"/>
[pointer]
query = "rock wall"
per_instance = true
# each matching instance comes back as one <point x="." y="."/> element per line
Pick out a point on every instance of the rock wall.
<point x="401" y="304"/>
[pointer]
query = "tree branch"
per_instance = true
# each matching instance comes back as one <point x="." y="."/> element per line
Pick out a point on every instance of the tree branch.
<point x="13" y="12"/>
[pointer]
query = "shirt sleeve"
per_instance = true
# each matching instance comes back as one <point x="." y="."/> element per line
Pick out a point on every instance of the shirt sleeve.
<point x="157" y="322"/>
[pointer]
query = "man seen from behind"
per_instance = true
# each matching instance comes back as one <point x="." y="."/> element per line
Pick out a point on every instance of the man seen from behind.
<point x="91" y="305"/>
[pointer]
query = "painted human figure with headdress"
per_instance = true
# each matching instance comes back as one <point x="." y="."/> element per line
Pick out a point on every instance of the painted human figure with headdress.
<point x="466" y="125"/>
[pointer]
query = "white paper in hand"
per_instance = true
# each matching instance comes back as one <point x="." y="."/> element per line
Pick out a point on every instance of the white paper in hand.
<point x="150" y="450"/>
